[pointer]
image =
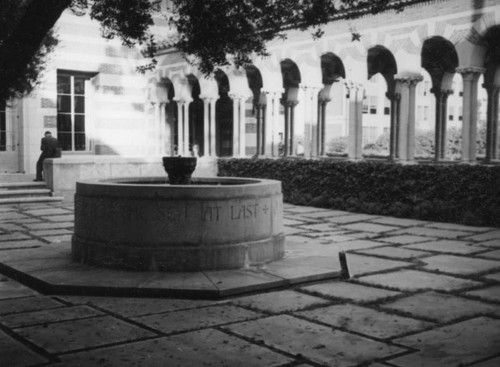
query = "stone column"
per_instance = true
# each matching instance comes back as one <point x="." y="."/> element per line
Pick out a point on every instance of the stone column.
<point x="206" y="127"/>
<point x="180" y="127"/>
<point x="213" y="134"/>
<point x="157" y="127"/>
<point x="311" y="121"/>
<point x="355" y="97"/>
<point x="261" y="128"/>
<point x="395" y="99"/>
<point x="187" y="151"/>
<point x="236" y="127"/>
<point x="321" y="130"/>
<point x="441" y="122"/>
<point x="492" y="122"/>
<point x="271" y="117"/>
<point x="404" y="123"/>
<point x="470" y="77"/>
<point x="164" y="136"/>
<point x="242" y="124"/>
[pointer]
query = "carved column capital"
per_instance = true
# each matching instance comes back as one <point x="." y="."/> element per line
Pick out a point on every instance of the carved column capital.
<point x="470" y="70"/>
<point x="410" y="80"/>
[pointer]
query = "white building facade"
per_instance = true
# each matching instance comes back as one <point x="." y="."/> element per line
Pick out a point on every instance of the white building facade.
<point x="430" y="67"/>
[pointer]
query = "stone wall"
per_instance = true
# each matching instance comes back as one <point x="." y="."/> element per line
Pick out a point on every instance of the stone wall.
<point x="61" y="174"/>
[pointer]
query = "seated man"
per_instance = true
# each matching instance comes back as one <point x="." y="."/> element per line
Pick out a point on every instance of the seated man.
<point x="49" y="149"/>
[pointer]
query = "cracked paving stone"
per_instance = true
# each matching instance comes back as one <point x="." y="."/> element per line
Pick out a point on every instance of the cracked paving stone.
<point x="350" y="291"/>
<point x="440" y="307"/>
<point x="277" y="302"/>
<point x="452" y="345"/>
<point x="197" y="318"/>
<point x="65" y="336"/>
<point x="203" y="348"/>
<point x="365" y="320"/>
<point x="318" y="343"/>
<point x="411" y="280"/>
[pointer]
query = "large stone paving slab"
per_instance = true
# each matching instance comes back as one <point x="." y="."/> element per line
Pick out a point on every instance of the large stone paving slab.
<point x="8" y="306"/>
<point x="412" y="280"/>
<point x="395" y="252"/>
<point x="404" y="239"/>
<point x="205" y="317"/>
<point x="369" y="227"/>
<point x="490" y="235"/>
<point x="12" y="289"/>
<point x="432" y="232"/>
<point x="459" y="265"/>
<point x="365" y="321"/>
<point x="318" y="343"/>
<point x="350" y="291"/>
<point x="277" y="302"/>
<point x="450" y="246"/>
<point x="359" y="264"/>
<point x="49" y="269"/>
<point x="74" y="335"/>
<point x="490" y="293"/>
<point x="204" y="348"/>
<point x="13" y="353"/>
<point x="127" y="307"/>
<point x="48" y="316"/>
<point x="452" y="345"/>
<point x="439" y="307"/>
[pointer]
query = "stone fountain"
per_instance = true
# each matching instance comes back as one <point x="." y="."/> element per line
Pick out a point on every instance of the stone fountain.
<point x="155" y="224"/>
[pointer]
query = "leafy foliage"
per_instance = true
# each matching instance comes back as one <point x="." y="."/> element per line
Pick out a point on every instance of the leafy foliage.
<point x="212" y="30"/>
<point x="449" y="193"/>
<point x="209" y="33"/>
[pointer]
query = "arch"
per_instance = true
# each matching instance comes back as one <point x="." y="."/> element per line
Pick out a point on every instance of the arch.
<point x="290" y="73"/>
<point x="332" y="68"/>
<point x="255" y="81"/>
<point x="381" y="60"/>
<point x="440" y="59"/>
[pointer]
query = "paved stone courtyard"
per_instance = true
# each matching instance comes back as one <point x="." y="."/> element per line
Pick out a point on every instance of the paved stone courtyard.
<point x="420" y="294"/>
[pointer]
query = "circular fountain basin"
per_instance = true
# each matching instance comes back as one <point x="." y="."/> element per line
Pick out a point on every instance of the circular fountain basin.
<point x="146" y="224"/>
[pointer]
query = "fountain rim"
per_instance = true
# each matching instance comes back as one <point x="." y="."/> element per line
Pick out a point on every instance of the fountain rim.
<point x="230" y="187"/>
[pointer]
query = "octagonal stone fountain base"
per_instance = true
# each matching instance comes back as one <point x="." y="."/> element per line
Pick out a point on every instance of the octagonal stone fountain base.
<point x="146" y="224"/>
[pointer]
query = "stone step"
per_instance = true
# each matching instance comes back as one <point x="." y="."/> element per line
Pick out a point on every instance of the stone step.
<point x="21" y="185"/>
<point x="31" y="200"/>
<point x="24" y="193"/>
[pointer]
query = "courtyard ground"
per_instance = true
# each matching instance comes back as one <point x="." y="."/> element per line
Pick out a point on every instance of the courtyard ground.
<point x="419" y="294"/>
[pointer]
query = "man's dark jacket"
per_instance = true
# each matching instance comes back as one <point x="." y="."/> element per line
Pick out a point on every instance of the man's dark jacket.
<point x="49" y="147"/>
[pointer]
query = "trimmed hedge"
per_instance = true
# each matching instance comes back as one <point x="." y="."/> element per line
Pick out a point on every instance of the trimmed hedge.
<point x="461" y="194"/>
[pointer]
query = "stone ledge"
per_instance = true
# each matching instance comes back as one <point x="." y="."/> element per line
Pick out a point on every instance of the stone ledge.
<point x="49" y="269"/>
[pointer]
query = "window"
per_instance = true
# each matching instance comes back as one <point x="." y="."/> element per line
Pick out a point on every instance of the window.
<point x="3" y="126"/>
<point x="71" y="110"/>
<point x="370" y="105"/>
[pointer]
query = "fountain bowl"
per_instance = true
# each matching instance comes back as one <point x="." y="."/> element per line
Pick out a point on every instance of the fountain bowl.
<point x="147" y="224"/>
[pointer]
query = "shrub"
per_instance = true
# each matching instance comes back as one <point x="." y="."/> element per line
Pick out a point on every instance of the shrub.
<point x="452" y="193"/>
